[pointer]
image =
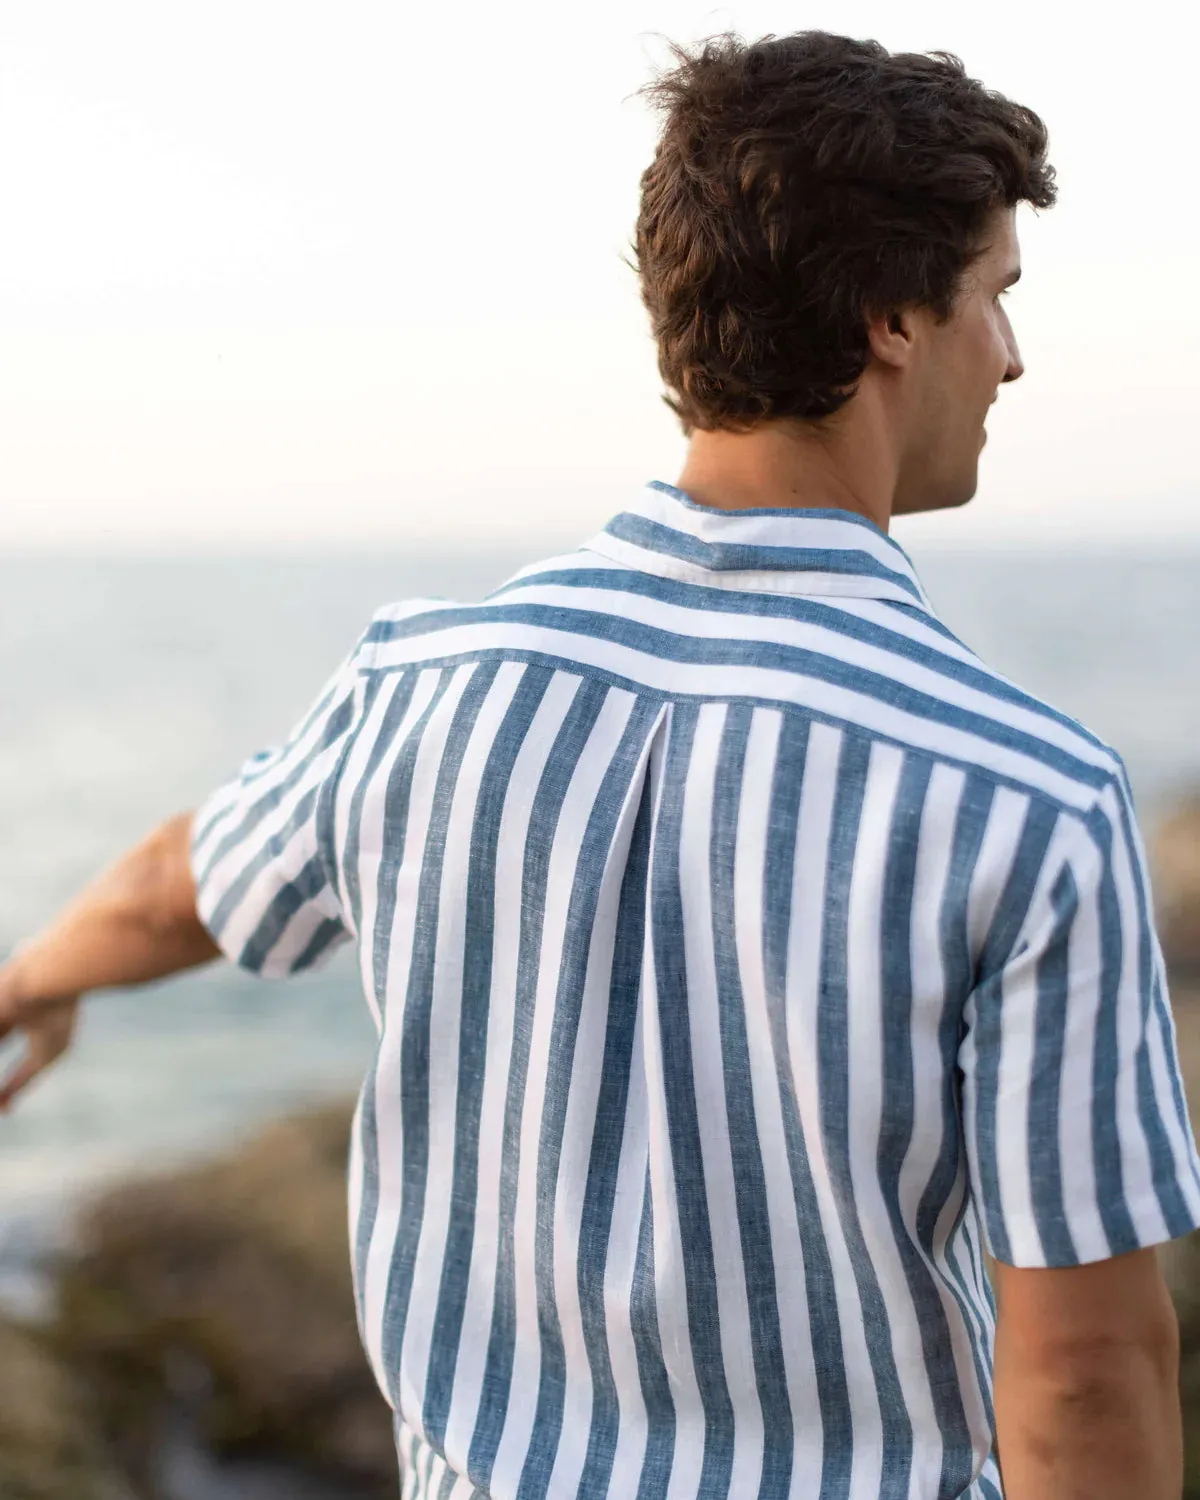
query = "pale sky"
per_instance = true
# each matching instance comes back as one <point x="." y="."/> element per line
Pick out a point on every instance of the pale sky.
<point x="281" y="274"/>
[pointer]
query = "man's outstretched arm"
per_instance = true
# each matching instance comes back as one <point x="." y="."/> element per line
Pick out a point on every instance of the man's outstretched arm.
<point x="134" y="923"/>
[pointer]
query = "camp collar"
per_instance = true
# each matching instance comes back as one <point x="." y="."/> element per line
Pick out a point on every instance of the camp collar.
<point x="768" y="551"/>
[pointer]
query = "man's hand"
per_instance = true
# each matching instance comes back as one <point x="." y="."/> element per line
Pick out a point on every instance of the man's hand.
<point x="136" y="923"/>
<point x="48" y="1028"/>
<point x="1087" y="1382"/>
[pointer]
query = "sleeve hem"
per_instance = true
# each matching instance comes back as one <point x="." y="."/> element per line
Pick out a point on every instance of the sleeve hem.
<point x="1149" y="1231"/>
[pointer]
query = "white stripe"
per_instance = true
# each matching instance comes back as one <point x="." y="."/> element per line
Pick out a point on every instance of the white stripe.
<point x="1077" y="1161"/>
<point x="804" y="991"/>
<point x="787" y="1233"/>
<point x="619" y="1272"/>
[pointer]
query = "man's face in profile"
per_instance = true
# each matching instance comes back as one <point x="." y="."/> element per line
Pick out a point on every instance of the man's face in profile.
<point x="962" y="364"/>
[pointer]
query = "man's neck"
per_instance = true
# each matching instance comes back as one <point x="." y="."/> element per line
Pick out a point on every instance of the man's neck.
<point x="784" y="465"/>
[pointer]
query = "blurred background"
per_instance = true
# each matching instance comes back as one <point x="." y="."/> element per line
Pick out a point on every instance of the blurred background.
<point x="303" y="308"/>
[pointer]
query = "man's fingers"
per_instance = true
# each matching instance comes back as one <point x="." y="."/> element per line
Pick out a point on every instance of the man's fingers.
<point x="47" y="1038"/>
<point x="24" y="1073"/>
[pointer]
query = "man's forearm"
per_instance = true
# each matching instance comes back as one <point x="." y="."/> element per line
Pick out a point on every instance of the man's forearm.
<point x="135" y="923"/>
<point x="1104" y="1432"/>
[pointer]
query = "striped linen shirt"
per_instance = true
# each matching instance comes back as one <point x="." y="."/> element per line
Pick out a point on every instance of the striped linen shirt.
<point x="746" y="957"/>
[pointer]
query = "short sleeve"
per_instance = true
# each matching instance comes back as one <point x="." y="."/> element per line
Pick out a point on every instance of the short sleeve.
<point x="1075" y="1122"/>
<point x="260" y="855"/>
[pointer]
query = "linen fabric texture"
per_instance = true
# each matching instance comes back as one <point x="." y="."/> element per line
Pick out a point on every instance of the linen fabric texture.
<point x="745" y="958"/>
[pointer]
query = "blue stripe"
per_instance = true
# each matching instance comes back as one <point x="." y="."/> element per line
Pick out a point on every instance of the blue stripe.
<point x="594" y="853"/>
<point x="1107" y="1158"/>
<point x="661" y="1419"/>
<point x="750" y="1182"/>
<point x="543" y="820"/>
<point x="738" y="557"/>
<point x="368" y="1207"/>
<point x="679" y="1088"/>
<point x="394" y="841"/>
<point x="286" y="902"/>
<point x="824" y="1323"/>
<point x="1045" y="1084"/>
<point x="833" y="1028"/>
<point x="393" y="717"/>
<point x="798" y="661"/>
<point x="326" y="809"/>
<point x="608" y="1134"/>
<point x="479" y="924"/>
<point x="418" y="1002"/>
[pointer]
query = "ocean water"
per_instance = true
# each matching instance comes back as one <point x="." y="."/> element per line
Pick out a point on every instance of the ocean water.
<point x="130" y="687"/>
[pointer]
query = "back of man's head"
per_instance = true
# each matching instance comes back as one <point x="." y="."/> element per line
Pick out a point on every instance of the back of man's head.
<point x="801" y="184"/>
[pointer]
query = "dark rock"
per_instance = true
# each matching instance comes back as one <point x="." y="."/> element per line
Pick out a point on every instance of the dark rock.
<point x="49" y="1447"/>
<point x="227" y="1288"/>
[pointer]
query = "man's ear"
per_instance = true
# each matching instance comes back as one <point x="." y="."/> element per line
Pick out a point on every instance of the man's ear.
<point x="892" y="335"/>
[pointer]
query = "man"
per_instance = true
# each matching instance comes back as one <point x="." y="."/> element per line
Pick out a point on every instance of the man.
<point x="748" y="959"/>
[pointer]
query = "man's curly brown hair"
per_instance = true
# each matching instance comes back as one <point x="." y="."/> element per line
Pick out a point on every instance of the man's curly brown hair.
<point x="801" y="184"/>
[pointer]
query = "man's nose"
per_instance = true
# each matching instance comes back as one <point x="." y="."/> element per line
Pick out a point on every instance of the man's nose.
<point x="1016" y="365"/>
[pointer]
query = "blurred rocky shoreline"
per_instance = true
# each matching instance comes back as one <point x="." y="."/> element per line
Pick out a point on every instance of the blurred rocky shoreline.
<point x="199" y="1340"/>
<point x="193" y="1338"/>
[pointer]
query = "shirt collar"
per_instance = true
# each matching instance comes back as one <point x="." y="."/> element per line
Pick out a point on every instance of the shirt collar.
<point x="783" y="551"/>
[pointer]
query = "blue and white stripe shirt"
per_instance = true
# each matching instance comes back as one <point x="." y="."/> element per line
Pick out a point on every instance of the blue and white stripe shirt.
<point x="746" y="957"/>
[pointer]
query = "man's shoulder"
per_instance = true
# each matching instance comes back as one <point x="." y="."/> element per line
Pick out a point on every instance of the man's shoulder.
<point x="1053" y="755"/>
